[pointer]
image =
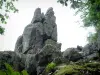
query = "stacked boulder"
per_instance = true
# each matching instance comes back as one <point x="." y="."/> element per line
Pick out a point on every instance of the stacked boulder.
<point x="73" y="54"/>
<point x="89" y="51"/>
<point x="38" y="46"/>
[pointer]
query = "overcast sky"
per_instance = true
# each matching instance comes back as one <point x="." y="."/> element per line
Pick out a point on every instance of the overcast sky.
<point x="70" y="34"/>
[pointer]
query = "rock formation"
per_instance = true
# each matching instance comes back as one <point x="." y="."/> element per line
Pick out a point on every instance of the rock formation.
<point x="41" y="28"/>
<point x="73" y="54"/>
<point x="38" y="44"/>
<point x="89" y="51"/>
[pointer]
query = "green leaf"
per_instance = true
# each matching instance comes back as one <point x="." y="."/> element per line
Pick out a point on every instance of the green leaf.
<point x="24" y="72"/>
<point x="6" y="16"/>
<point x="16" y="11"/>
<point x="2" y="72"/>
<point x="1" y="30"/>
<point x="15" y="73"/>
<point x="9" y="69"/>
<point x="50" y="66"/>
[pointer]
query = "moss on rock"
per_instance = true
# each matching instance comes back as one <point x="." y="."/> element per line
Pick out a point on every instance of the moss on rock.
<point x="91" y="68"/>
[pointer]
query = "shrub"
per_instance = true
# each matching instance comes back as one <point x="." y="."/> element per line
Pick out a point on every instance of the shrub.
<point x="91" y="68"/>
<point x="50" y="66"/>
<point x="9" y="71"/>
<point x="69" y="70"/>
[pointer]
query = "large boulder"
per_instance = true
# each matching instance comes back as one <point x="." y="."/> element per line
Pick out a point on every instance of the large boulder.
<point x="72" y="54"/>
<point x="41" y="28"/>
<point x="11" y="58"/>
<point x="49" y="53"/>
<point x="90" y="49"/>
<point x="7" y="56"/>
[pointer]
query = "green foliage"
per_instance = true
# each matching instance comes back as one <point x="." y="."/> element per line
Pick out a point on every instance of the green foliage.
<point x="90" y="12"/>
<point x="1" y="30"/>
<point x="74" y="3"/>
<point x="24" y="72"/>
<point x="6" y="6"/>
<point x="91" y="68"/>
<point x="9" y="71"/>
<point x="92" y="37"/>
<point x="2" y="72"/>
<point x="69" y="70"/>
<point x="50" y="67"/>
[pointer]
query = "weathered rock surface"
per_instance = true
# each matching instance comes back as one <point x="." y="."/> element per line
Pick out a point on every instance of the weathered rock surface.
<point x="89" y="51"/>
<point x="41" y="28"/>
<point x="49" y="53"/>
<point x="38" y="17"/>
<point x="37" y="46"/>
<point x="19" y="45"/>
<point x="11" y="58"/>
<point x="31" y="64"/>
<point x="33" y="38"/>
<point x="72" y="54"/>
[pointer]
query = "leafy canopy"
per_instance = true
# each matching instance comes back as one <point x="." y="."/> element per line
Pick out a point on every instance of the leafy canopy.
<point x="6" y="6"/>
<point x="9" y="71"/>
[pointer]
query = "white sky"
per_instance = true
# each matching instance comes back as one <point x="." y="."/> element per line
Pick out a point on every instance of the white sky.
<point x="70" y="34"/>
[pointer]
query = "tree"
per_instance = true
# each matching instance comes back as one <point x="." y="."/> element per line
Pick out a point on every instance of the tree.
<point x="90" y="13"/>
<point x="6" y="6"/>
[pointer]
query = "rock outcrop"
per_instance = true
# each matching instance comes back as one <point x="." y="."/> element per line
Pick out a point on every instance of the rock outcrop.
<point x="12" y="59"/>
<point x="73" y="54"/>
<point x="89" y="51"/>
<point x="41" y="28"/>
<point x="38" y="46"/>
